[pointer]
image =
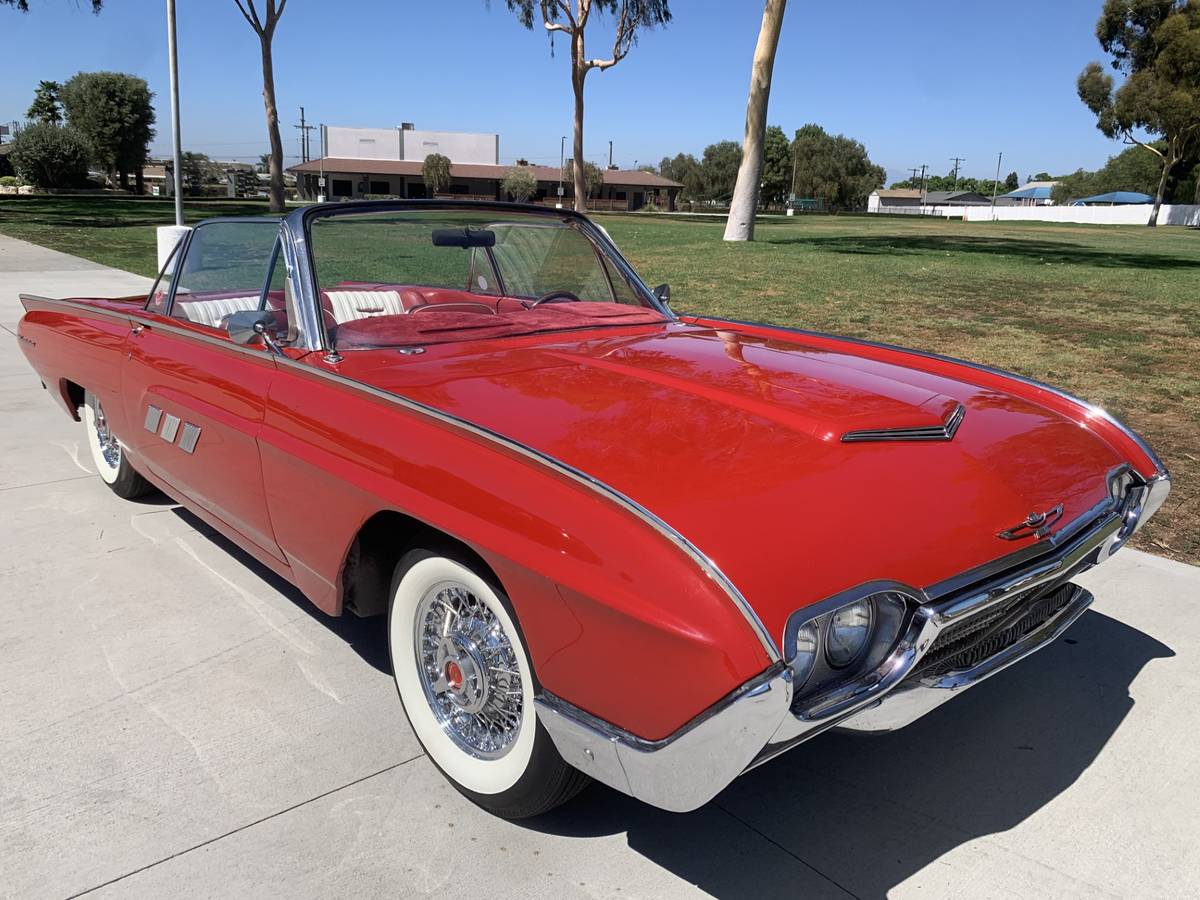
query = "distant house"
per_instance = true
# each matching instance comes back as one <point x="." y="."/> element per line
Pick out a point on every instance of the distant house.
<point x="886" y="199"/>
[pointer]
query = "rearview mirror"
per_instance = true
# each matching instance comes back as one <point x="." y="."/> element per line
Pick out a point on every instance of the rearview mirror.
<point x="464" y="237"/>
<point x="249" y="325"/>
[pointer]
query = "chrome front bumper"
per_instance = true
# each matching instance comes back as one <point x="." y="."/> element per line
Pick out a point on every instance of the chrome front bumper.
<point x="760" y="719"/>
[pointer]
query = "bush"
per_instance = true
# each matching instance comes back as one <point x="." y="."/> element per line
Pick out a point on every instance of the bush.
<point x="520" y="183"/>
<point x="8" y="181"/>
<point x="50" y="156"/>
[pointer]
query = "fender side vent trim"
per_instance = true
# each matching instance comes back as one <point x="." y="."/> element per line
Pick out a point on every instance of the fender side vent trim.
<point x="943" y="432"/>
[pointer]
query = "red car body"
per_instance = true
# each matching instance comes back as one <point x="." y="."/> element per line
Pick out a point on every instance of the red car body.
<point x="561" y="457"/>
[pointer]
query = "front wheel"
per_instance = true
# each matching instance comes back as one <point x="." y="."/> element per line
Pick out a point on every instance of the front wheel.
<point x="464" y="678"/>
<point x="107" y="455"/>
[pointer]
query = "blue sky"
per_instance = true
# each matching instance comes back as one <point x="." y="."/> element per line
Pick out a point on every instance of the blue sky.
<point x="917" y="82"/>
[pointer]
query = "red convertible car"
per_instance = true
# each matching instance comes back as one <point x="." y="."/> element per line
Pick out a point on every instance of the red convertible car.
<point x="611" y="541"/>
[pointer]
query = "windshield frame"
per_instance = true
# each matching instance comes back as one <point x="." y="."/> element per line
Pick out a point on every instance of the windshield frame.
<point x="598" y="236"/>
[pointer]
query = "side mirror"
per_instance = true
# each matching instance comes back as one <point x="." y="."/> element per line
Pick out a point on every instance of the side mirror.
<point x="250" y="325"/>
<point x="663" y="293"/>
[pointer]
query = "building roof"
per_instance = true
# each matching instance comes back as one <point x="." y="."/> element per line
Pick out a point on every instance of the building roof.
<point x="1116" y="197"/>
<point x="937" y="197"/>
<point x="623" y="177"/>
<point x="898" y="193"/>
<point x="1033" y="190"/>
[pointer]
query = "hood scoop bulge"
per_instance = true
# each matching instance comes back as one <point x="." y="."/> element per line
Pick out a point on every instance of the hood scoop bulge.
<point x="942" y="432"/>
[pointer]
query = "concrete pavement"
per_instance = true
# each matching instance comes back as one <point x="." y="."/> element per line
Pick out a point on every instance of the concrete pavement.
<point x="175" y="721"/>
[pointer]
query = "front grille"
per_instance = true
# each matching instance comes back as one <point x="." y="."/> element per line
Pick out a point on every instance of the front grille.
<point x="968" y="643"/>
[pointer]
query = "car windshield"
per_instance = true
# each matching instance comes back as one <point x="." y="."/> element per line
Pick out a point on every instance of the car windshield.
<point x="415" y="277"/>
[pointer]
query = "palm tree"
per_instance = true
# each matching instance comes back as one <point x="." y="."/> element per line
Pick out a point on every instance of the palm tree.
<point x="264" y="27"/>
<point x="744" y="205"/>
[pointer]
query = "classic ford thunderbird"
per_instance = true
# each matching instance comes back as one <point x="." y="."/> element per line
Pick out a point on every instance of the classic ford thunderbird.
<point x="611" y="541"/>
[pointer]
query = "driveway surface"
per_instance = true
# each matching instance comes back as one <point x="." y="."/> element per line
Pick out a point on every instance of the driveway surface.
<point x="176" y="721"/>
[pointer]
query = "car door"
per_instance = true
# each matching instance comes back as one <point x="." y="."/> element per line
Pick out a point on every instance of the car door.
<point x="195" y="398"/>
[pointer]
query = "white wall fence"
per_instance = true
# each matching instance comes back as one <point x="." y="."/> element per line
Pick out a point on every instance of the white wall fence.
<point x="1131" y="214"/>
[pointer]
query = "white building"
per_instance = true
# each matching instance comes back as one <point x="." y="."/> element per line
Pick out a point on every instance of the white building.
<point x="407" y="143"/>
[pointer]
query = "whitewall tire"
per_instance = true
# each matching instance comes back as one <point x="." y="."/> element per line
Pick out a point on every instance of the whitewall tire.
<point x="108" y="456"/>
<point x="467" y="686"/>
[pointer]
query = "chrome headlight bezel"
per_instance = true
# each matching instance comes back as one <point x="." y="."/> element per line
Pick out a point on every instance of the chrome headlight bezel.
<point x="839" y="652"/>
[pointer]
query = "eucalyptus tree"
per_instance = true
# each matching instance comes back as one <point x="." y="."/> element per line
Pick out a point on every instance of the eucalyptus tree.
<point x="1155" y="44"/>
<point x="435" y="172"/>
<point x="264" y="26"/>
<point x="572" y="18"/>
<point x="23" y="5"/>
<point x="744" y="205"/>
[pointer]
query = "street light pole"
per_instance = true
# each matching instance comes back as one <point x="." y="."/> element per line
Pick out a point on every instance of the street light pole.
<point x="173" y="61"/>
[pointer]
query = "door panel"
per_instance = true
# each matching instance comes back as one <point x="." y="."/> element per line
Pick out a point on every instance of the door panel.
<point x="195" y="405"/>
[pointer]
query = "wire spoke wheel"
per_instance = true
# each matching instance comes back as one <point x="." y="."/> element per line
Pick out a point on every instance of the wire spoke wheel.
<point x="469" y="670"/>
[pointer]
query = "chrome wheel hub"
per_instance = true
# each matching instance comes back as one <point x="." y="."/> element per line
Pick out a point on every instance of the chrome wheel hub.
<point x="469" y="670"/>
<point x="110" y="448"/>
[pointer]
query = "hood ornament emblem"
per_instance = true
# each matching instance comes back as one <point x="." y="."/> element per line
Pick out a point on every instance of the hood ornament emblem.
<point x="1036" y="525"/>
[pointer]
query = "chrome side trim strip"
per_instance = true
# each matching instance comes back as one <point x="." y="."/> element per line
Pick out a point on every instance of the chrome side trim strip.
<point x="1090" y="408"/>
<point x="943" y="432"/>
<point x="627" y="503"/>
<point x="170" y="428"/>
<point x="191" y="436"/>
<point x="153" y="417"/>
<point x="706" y="565"/>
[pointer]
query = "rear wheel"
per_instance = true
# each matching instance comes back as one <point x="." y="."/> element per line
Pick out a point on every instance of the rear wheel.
<point x="107" y="454"/>
<point x="464" y="678"/>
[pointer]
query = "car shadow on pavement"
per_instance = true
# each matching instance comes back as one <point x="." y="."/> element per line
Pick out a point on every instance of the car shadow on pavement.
<point x="863" y="812"/>
<point x="366" y="637"/>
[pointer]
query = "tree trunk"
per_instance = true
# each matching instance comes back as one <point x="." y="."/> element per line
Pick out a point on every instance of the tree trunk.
<point x="578" y="74"/>
<point x="1168" y="165"/>
<point x="276" y="166"/>
<point x="744" y="205"/>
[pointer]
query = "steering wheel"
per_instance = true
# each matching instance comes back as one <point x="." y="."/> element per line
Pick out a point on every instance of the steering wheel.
<point x="555" y="297"/>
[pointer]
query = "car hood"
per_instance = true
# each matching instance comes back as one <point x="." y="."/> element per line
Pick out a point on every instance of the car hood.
<point x="736" y="442"/>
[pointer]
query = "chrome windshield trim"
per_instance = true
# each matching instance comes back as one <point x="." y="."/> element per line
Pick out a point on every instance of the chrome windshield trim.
<point x="943" y="432"/>
<point x="1090" y="408"/>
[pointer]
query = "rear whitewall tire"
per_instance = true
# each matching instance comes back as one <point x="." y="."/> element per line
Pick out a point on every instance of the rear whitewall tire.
<point x="528" y="777"/>
<point x="108" y="455"/>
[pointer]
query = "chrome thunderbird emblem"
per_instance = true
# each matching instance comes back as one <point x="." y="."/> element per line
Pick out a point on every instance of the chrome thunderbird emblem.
<point x="1036" y="525"/>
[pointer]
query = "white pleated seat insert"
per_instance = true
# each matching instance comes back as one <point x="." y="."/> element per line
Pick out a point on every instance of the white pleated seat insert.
<point x="350" y="305"/>
<point x="211" y="312"/>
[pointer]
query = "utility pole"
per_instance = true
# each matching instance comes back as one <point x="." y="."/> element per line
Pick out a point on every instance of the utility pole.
<point x="996" y="184"/>
<point x="610" y="154"/>
<point x="173" y="64"/>
<point x="924" y="166"/>
<point x="305" y="144"/>
<point x="956" y="160"/>
<point x="914" y="171"/>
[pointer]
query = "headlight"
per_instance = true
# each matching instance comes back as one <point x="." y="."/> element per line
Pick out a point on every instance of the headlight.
<point x="849" y="632"/>
<point x="808" y="644"/>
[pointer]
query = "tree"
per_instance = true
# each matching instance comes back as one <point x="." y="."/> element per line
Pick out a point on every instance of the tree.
<point x="50" y="156"/>
<point x="264" y="163"/>
<point x="777" y="166"/>
<point x="719" y="170"/>
<point x="1130" y="170"/>
<point x="740" y="225"/>
<point x="264" y="26"/>
<point x="1012" y="182"/>
<point x="23" y="5"/>
<point x="198" y="170"/>
<point x="834" y="169"/>
<point x="435" y="171"/>
<point x="685" y="169"/>
<point x="1155" y="44"/>
<point x="593" y="177"/>
<point x="115" y="114"/>
<point x="571" y="17"/>
<point x="46" y="107"/>
<point x="520" y="183"/>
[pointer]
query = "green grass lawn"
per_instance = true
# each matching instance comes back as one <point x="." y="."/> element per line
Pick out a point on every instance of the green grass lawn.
<point x="1109" y="313"/>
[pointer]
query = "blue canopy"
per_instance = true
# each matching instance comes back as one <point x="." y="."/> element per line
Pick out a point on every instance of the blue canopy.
<point x="1030" y="193"/>
<point x="1116" y="197"/>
